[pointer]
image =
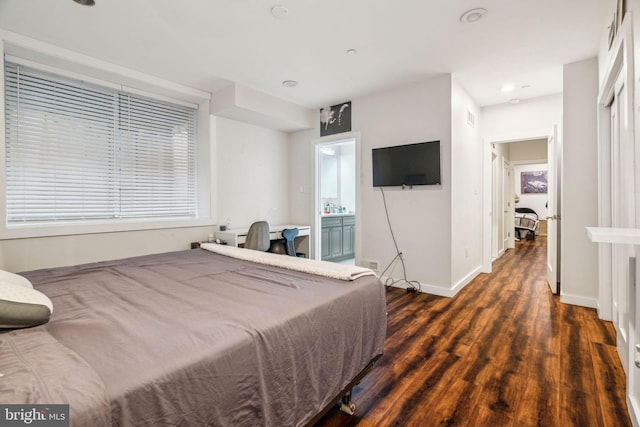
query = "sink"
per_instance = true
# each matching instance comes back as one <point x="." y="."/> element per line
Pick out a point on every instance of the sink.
<point x="338" y="214"/>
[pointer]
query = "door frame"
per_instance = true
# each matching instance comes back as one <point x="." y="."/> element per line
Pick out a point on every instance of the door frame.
<point x="315" y="220"/>
<point x="487" y="184"/>
<point x="508" y="234"/>
<point x="620" y="64"/>
<point x="554" y="210"/>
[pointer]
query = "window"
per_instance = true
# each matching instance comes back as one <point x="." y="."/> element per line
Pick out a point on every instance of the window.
<point x="78" y="152"/>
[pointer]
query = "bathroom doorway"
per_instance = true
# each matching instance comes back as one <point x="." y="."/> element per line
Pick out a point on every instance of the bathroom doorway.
<point x="336" y="200"/>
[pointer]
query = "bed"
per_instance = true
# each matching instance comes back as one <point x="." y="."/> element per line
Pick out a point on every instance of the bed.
<point x="194" y="338"/>
<point x="526" y="220"/>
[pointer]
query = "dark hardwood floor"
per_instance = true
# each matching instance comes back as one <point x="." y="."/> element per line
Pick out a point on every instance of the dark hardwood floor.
<point x="503" y="352"/>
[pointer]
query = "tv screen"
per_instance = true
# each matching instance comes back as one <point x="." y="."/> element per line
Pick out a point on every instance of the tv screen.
<point x="407" y="165"/>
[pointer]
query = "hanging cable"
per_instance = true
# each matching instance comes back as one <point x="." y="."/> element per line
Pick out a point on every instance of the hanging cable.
<point x="413" y="285"/>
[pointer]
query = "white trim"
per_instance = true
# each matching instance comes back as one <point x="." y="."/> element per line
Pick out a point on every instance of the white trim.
<point x="578" y="300"/>
<point x="529" y="162"/>
<point x="68" y="229"/>
<point x="315" y="219"/>
<point x="620" y="61"/>
<point x="61" y="72"/>
<point x="518" y="136"/>
<point x="439" y="290"/>
<point x="487" y="205"/>
<point x="634" y="411"/>
<point x="466" y="280"/>
<point x="424" y="288"/>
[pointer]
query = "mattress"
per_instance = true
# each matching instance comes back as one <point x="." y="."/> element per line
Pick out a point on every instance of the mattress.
<point x="192" y="338"/>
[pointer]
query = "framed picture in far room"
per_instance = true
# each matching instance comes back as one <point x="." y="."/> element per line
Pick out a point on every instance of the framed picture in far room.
<point x="533" y="182"/>
<point x="335" y="119"/>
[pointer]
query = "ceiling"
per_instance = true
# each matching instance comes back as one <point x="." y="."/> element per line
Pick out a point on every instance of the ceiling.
<point x="209" y="44"/>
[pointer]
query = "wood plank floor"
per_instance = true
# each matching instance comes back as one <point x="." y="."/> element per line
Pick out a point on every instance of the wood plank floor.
<point x="503" y="352"/>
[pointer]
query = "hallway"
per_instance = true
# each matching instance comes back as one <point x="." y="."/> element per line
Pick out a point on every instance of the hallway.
<point x="503" y="352"/>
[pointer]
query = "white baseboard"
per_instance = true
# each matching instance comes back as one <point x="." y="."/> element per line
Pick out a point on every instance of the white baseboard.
<point x="467" y="279"/>
<point x="439" y="290"/>
<point x="578" y="300"/>
<point x="634" y="411"/>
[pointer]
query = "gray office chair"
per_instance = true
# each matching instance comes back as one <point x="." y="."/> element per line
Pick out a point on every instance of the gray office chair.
<point x="258" y="237"/>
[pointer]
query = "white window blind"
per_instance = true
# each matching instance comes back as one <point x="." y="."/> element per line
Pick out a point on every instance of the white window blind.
<point x="81" y="152"/>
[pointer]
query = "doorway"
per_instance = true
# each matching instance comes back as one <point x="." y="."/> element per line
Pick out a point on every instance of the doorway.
<point x="336" y="200"/>
<point x="507" y="162"/>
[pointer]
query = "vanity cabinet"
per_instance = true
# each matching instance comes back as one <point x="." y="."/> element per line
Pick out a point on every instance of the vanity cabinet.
<point x="338" y="237"/>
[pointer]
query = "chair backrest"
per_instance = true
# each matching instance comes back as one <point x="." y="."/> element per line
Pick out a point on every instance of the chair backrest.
<point x="258" y="236"/>
<point x="289" y="235"/>
<point x="527" y="210"/>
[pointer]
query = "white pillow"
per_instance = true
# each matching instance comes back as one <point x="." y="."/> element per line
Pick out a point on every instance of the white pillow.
<point x="21" y="307"/>
<point x="16" y="279"/>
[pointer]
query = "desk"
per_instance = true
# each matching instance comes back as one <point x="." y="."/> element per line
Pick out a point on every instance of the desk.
<point x="237" y="236"/>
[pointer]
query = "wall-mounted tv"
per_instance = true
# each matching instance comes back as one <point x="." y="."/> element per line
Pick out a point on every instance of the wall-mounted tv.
<point x="407" y="165"/>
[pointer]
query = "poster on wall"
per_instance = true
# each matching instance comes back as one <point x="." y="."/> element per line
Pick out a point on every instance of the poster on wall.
<point x="335" y="119"/>
<point x="533" y="182"/>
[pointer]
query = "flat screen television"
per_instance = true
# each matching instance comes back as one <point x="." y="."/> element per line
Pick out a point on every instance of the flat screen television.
<point x="407" y="165"/>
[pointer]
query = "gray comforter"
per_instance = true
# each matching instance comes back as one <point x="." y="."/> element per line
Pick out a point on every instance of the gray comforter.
<point x="192" y="338"/>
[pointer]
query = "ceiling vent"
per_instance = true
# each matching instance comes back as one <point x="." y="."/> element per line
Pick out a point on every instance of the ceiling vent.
<point x="471" y="119"/>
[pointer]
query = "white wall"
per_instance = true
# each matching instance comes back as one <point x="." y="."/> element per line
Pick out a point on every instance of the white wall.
<point x="579" y="269"/>
<point x="466" y="188"/>
<point x="535" y="201"/>
<point x="253" y="169"/>
<point x="525" y="151"/>
<point x="348" y="176"/>
<point x="35" y="253"/>
<point x="301" y="180"/>
<point x="421" y="217"/>
<point x="530" y="118"/>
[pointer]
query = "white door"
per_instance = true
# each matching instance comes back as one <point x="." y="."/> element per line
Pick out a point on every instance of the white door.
<point x="553" y="208"/>
<point x="507" y="197"/>
<point x="623" y="216"/>
<point x="496" y="208"/>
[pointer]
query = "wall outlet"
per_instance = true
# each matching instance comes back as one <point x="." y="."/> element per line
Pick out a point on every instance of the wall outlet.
<point x="466" y="251"/>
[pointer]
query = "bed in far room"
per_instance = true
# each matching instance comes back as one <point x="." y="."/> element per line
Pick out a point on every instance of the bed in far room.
<point x="195" y="338"/>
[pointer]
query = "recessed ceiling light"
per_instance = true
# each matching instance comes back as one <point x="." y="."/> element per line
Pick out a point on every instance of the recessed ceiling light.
<point x="289" y="83"/>
<point x="514" y="101"/>
<point x="86" y="2"/>
<point x="352" y="52"/>
<point x="473" y="15"/>
<point x="507" y="88"/>
<point x="279" y="11"/>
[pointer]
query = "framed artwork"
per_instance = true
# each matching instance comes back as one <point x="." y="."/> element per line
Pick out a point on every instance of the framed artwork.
<point x="533" y="182"/>
<point x="335" y="119"/>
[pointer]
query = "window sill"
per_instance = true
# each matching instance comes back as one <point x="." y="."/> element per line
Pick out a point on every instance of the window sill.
<point x="68" y="228"/>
